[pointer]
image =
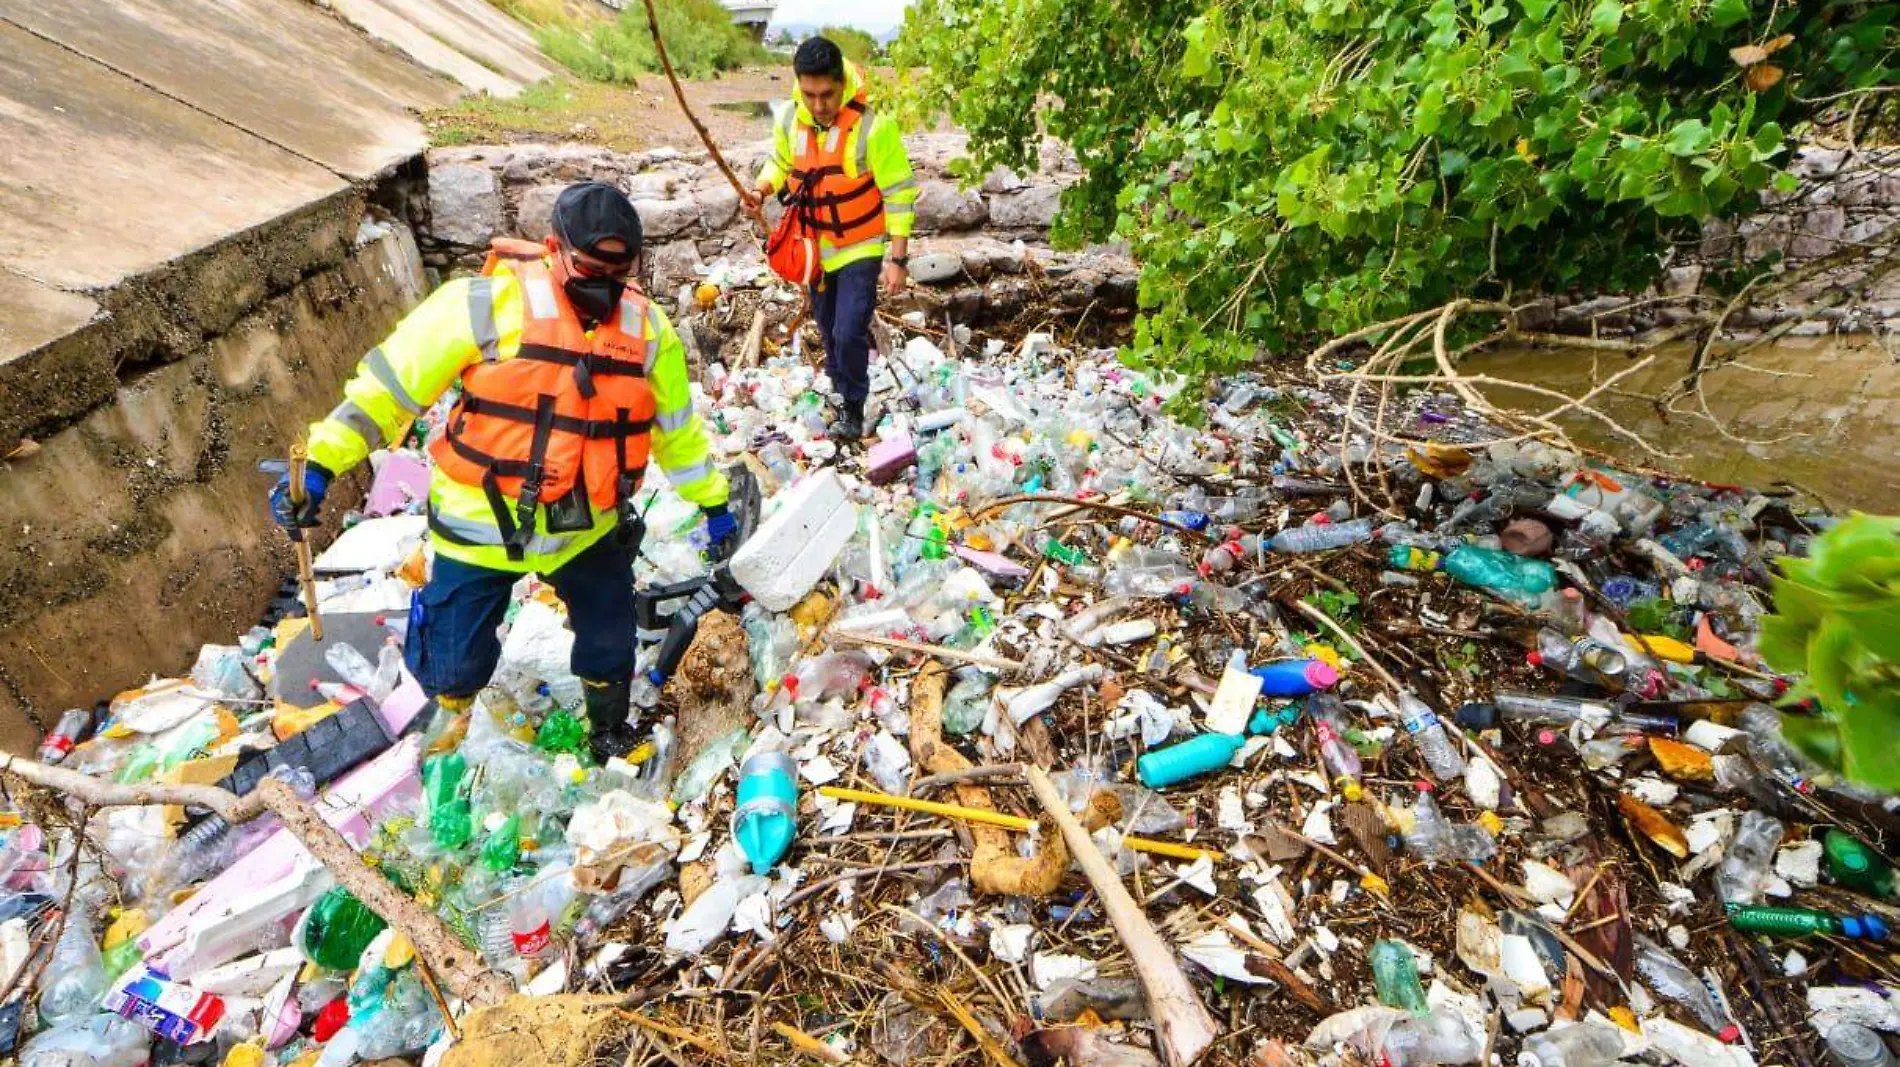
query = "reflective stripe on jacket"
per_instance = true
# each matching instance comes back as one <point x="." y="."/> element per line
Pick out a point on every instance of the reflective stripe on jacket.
<point x="860" y="159"/>
<point x="471" y="328"/>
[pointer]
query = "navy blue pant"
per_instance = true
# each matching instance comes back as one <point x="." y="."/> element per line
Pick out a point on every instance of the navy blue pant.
<point x="452" y="648"/>
<point x="843" y="306"/>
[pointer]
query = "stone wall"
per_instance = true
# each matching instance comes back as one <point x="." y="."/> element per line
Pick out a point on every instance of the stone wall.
<point x="973" y="245"/>
<point x="138" y="532"/>
<point x="1847" y="199"/>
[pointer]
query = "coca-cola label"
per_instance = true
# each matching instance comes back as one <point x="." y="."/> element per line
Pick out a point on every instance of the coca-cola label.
<point x="532" y="942"/>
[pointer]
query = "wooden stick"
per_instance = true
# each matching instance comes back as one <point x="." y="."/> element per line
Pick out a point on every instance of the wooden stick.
<point x="746" y="196"/>
<point x="1093" y="505"/>
<point x="103" y="794"/>
<point x="1183" y="1027"/>
<point x="995" y="663"/>
<point x="306" y="569"/>
<point x="808" y="1044"/>
<point x="754" y="340"/>
<point x="1004" y="820"/>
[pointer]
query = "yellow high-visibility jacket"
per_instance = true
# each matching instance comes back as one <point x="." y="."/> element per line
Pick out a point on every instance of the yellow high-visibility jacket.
<point x="874" y="142"/>
<point x="428" y="351"/>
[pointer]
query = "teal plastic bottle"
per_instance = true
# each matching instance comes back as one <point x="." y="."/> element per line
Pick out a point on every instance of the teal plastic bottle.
<point x="1195" y="756"/>
<point x="1515" y="578"/>
<point x="766" y="818"/>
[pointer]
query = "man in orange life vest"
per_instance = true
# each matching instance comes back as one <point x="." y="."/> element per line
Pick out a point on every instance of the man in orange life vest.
<point x="846" y="160"/>
<point x="570" y="380"/>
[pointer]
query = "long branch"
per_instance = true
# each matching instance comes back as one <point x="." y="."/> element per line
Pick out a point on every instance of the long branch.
<point x="659" y="45"/>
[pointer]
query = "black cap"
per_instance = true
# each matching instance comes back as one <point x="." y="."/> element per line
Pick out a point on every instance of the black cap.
<point x="592" y="212"/>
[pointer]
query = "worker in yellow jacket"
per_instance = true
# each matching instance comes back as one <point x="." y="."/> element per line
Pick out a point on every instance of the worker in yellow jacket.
<point x="842" y="161"/>
<point x="570" y="381"/>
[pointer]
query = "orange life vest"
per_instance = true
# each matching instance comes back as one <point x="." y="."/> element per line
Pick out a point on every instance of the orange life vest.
<point x="563" y="423"/>
<point x="844" y="210"/>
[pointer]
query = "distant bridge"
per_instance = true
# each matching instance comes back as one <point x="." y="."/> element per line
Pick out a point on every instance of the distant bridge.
<point x="752" y="14"/>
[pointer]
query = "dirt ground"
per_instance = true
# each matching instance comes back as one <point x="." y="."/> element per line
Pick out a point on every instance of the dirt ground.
<point x="625" y="118"/>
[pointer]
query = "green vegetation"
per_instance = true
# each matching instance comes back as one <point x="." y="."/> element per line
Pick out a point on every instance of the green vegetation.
<point x="700" y="36"/>
<point x="858" y="47"/>
<point x="557" y="108"/>
<point x="1290" y="171"/>
<point x="1838" y="626"/>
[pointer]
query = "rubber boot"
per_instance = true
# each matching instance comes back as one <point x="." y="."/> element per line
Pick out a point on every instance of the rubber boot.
<point x="849" y="427"/>
<point x="607" y="706"/>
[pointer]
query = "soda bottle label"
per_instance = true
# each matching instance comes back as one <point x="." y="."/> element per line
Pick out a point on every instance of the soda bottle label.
<point x="1421" y="723"/>
<point x="533" y="942"/>
<point x="1324" y="731"/>
<point x="57" y="744"/>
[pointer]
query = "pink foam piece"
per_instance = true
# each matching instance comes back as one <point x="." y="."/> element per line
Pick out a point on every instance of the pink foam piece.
<point x="392" y="776"/>
<point x="890" y="457"/>
<point x="402" y="706"/>
<point x="992" y="563"/>
<point x="402" y="480"/>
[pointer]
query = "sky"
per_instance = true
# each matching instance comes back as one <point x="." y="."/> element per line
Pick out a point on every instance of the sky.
<point x="866" y="14"/>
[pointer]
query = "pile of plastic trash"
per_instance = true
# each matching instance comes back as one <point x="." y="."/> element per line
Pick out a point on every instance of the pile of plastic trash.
<point x="1497" y="775"/>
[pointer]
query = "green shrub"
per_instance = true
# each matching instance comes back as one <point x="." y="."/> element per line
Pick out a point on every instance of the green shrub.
<point x="701" y="39"/>
<point x="858" y="47"/>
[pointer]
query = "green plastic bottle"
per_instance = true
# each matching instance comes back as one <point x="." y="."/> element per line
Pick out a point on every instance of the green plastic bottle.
<point x="1395" y="977"/>
<point x="501" y="849"/>
<point x="450" y="822"/>
<point x="1801" y="922"/>
<point x="1856" y="866"/>
<point x="336" y="930"/>
<point x="562" y="731"/>
<point x="1494" y="570"/>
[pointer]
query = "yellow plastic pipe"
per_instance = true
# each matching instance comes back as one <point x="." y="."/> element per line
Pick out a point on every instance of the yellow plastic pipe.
<point x="1007" y="822"/>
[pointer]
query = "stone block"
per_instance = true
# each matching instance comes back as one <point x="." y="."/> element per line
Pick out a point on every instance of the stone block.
<point x="932" y="268"/>
<point x="1818" y="233"/>
<point x="942" y="206"/>
<point x="1683" y="281"/>
<point x="651" y="185"/>
<point x="465" y="206"/>
<point x="534" y="211"/>
<point x="665" y="219"/>
<point x="718" y="206"/>
<point x="672" y="264"/>
<point x="1032" y="208"/>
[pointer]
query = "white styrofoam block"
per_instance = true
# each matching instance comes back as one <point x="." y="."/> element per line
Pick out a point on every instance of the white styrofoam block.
<point x="811" y="523"/>
<point x="373" y="544"/>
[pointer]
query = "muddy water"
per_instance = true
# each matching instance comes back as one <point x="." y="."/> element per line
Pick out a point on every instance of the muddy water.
<point x="1840" y="401"/>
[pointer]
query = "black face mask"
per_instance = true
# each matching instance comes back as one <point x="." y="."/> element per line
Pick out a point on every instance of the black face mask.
<point x="594" y="298"/>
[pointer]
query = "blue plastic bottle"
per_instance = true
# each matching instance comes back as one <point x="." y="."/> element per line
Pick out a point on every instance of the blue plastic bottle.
<point x="1195" y="756"/>
<point x="767" y="814"/>
<point x="1295" y="677"/>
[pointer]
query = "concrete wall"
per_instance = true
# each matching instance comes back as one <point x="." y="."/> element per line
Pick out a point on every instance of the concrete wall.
<point x="185" y="278"/>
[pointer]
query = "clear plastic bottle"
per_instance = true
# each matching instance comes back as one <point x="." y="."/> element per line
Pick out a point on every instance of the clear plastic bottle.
<point x="1321" y="537"/>
<point x="1747" y="859"/>
<point x="1582" y="658"/>
<point x="74" y="726"/>
<point x="1429" y="836"/>
<point x="350" y="665"/>
<point x="1854" y="1045"/>
<point x="1438" y="1038"/>
<point x="1395" y="976"/>
<point x="1329" y="727"/>
<point x="95" y="1041"/>
<point x="1422" y="724"/>
<point x="967" y="703"/>
<point x="76" y="974"/>
<point x="1671" y="980"/>
<point x="1576" y="1045"/>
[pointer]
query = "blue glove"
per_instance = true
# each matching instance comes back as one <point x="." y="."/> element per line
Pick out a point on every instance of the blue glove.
<point x="721" y="531"/>
<point x="316" y="482"/>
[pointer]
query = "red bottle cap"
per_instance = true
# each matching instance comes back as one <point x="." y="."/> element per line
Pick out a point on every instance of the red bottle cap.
<point x="331" y="1019"/>
<point x="1535" y="659"/>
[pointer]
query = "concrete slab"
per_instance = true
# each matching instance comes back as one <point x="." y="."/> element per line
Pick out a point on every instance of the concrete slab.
<point x="106" y="178"/>
<point x="37" y="316"/>
<point x="286" y="72"/>
<point x="481" y="29"/>
<point x="427" y="34"/>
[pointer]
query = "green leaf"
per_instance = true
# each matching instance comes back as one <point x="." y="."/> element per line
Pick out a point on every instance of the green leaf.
<point x="1538" y="10"/>
<point x="1606" y="16"/>
<point x="1687" y="138"/>
<point x="1817" y="739"/>
<point x="1726" y="13"/>
<point x="1869" y="732"/>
